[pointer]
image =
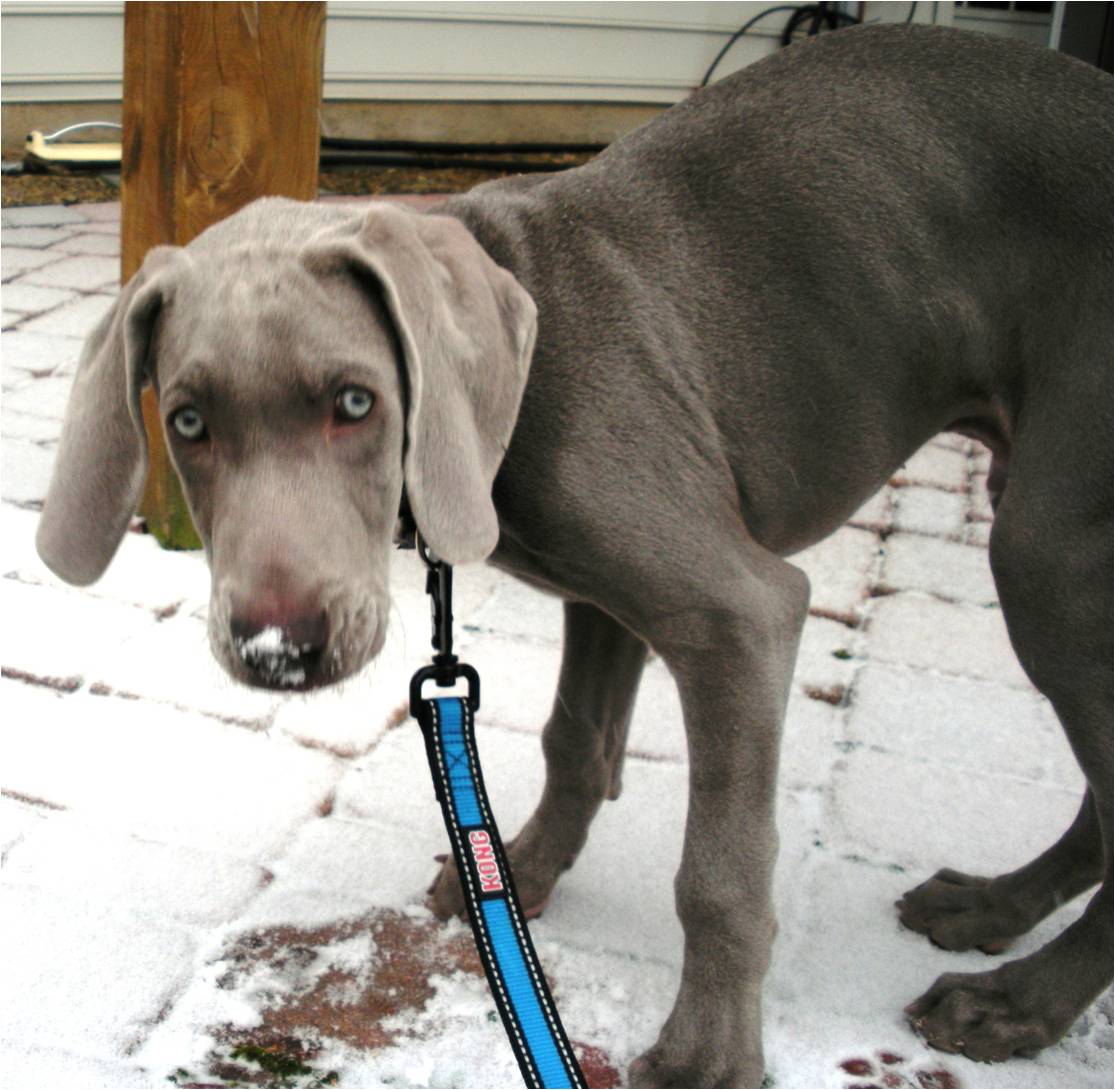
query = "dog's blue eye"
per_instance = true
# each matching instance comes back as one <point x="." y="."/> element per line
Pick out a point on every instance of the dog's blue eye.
<point x="354" y="403"/>
<point x="189" y="424"/>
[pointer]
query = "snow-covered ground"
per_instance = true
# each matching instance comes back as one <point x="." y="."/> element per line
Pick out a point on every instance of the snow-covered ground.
<point x="194" y="870"/>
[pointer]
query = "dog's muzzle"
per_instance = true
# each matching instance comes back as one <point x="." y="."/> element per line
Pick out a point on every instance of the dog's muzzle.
<point x="287" y="655"/>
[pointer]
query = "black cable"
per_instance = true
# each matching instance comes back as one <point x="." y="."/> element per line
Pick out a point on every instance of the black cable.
<point x="816" y="13"/>
<point x="340" y="151"/>
<point x="439" y="162"/>
<point x="451" y="148"/>
<point x="740" y="33"/>
<point x="910" y="14"/>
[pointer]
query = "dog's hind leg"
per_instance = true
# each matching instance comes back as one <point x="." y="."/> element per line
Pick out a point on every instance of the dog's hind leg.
<point x="964" y="912"/>
<point x="584" y="742"/>
<point x="1051" y="554"/>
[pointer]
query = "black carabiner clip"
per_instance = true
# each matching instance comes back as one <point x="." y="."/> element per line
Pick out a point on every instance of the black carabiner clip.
<point x="446" y="671"/>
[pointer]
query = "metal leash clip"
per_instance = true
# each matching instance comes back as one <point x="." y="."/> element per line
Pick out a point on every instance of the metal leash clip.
<point x="446" y="670"/>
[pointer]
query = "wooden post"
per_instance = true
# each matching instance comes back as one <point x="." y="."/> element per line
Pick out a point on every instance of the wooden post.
<point x="221" y="106"/>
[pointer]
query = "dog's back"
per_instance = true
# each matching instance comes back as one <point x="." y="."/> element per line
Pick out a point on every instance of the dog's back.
<point x="750" y="312"/>
<point x="889" y="211"/>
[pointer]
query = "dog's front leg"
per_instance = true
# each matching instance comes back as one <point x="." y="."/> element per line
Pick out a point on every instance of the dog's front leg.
<point x="731" y="648"/>
<point x="584" y="744"/>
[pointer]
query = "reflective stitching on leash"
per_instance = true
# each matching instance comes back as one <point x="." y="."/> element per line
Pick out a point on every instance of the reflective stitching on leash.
<point x="540" y="989"/>
<point x="475" y="912"/>
<point x="515" y="976"/>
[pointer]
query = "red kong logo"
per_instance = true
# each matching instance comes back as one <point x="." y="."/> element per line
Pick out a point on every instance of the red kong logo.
<point x="485" y="859"/>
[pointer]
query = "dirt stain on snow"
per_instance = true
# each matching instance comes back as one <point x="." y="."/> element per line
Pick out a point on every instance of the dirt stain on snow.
<point x="58" y="684"/>
<point x="359" y="982"/>
<point x="32" y="800"/>
<point x="342" y="981"/>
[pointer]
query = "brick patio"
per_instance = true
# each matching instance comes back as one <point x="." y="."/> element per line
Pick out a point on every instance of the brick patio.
<point x="191" y="867"/>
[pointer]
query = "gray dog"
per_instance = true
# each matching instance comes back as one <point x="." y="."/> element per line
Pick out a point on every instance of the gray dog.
<point x="640" y="385"/>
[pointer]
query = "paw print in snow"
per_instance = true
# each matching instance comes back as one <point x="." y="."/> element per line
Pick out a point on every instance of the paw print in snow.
<point x="889" y="1069"/>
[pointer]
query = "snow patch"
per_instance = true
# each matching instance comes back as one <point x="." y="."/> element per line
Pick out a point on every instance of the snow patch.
<point x="274" y="655"/>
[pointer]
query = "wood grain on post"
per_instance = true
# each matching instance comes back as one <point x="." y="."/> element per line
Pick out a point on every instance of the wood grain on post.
<point x="221" y="106"/>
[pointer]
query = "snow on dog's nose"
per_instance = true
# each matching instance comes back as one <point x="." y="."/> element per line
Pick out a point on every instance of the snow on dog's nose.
<point x="281" y="653"/>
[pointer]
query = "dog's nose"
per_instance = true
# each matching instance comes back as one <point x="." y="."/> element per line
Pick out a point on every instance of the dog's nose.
<point x="281" y="650"/>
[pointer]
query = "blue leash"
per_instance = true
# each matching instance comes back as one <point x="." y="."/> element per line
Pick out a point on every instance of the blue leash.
<point x="514" y="973"/>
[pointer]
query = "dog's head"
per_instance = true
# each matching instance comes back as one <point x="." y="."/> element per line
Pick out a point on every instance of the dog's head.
<point x="308" y="363"/>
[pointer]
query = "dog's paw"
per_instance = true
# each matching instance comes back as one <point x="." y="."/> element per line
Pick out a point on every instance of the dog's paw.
<point x="962" y="912"/>
<point x="655" y="1068"/>
<point x="984" y="1016"/>
<point x="444" y="897"/>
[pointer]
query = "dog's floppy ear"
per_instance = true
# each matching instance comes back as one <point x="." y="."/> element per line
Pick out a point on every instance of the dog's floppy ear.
<point x="102" y="458"/>
<point x="466" y="328"/>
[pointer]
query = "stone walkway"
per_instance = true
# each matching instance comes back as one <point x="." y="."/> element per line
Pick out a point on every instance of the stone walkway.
<point x="207" y="884"/>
